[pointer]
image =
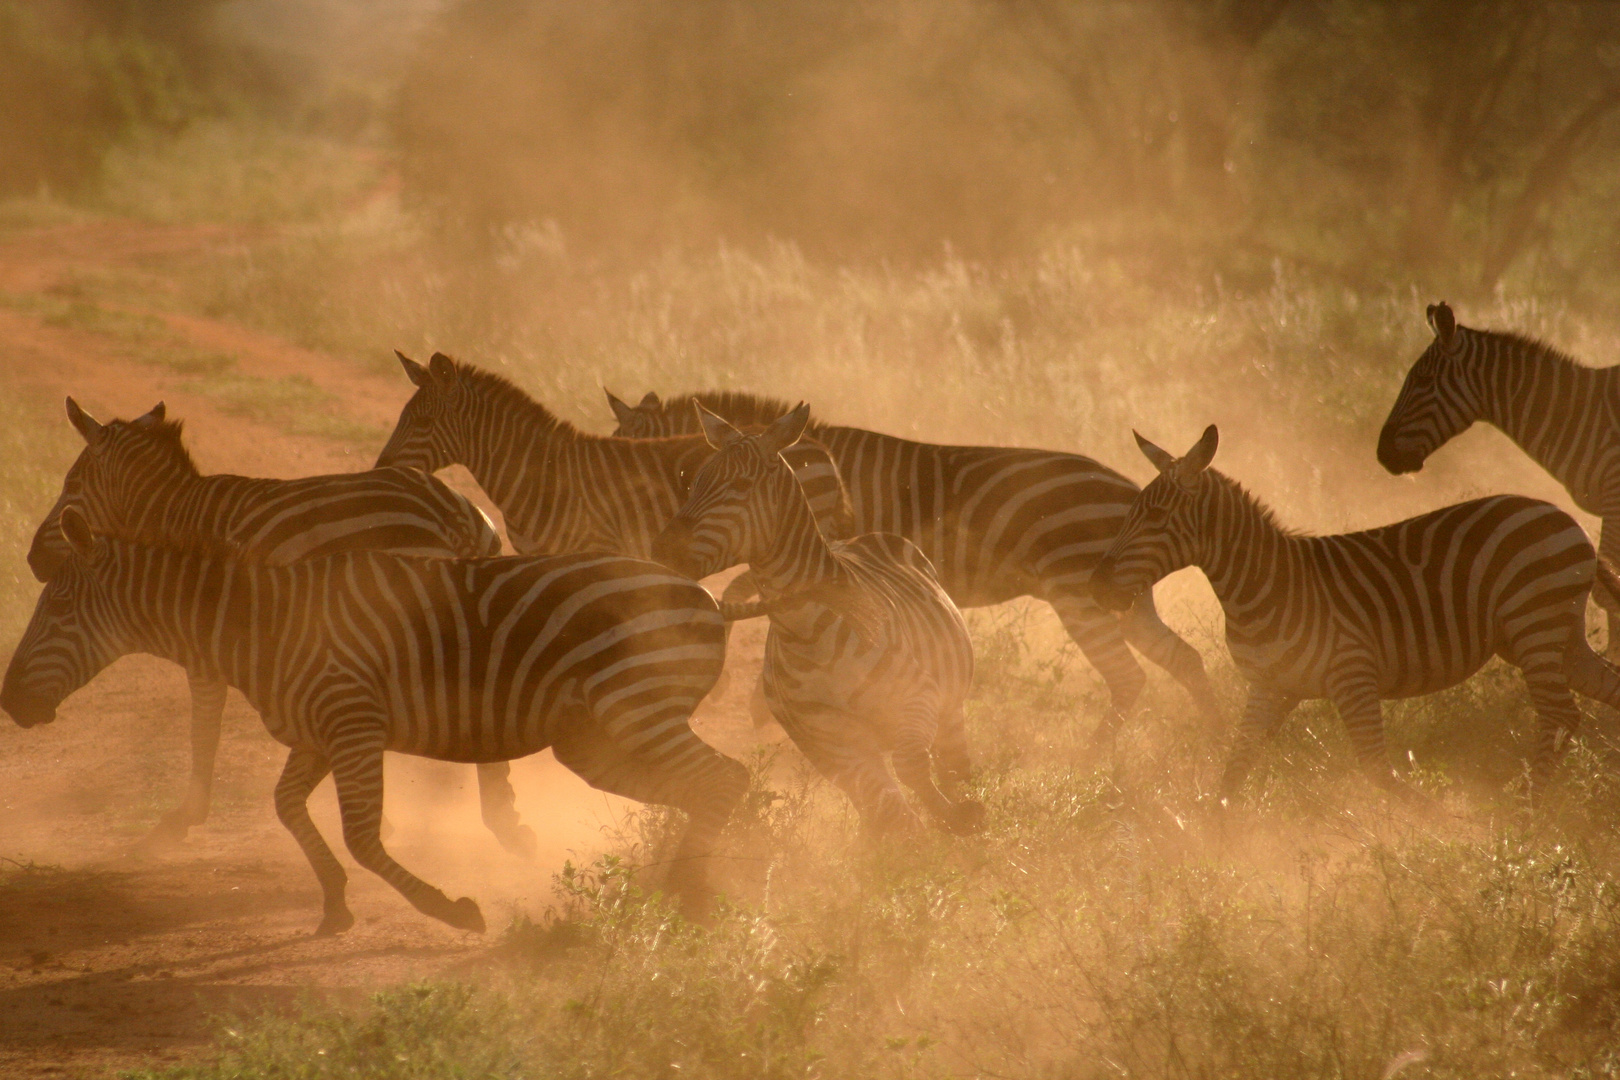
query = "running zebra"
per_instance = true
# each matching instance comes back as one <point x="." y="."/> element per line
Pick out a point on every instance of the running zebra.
<point x="890" y="676"/>
<point x="135" y="477"/>
<point x="997" y="523"/>
<point x="1564" y="415"/>
<point x="600" y="657"/>
<point x="558" y="488"/>
<point x="1407" y="609"/>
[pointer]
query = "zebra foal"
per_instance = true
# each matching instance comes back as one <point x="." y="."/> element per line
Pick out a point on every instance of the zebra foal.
<point x="1406" y="609"/>
<point x="866" y="654"/>
<point x="995" y="522"/>
<point x="135" y="477"/>
<point x="1564" y="415"/>
<point x="600" y="657"/>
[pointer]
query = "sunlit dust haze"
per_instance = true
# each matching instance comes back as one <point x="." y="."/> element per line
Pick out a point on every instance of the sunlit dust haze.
<point x="1043" y="223"/>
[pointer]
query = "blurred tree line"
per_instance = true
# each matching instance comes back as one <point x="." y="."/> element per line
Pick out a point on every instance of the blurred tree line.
<point x="1449" y="141"/>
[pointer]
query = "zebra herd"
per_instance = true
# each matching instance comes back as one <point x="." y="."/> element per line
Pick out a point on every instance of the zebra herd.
<point x="369" y="612"/>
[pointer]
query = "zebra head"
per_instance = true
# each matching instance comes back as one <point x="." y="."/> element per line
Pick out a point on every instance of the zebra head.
<point x="116" y="479"/>
<point x="1437" y="401"/>
<point x="644" y="421"/>
<point x="1158" y="534"/>
<point x="427" y="436"/>
<point x="69" y="639"/>
<point x="738" y="500"/>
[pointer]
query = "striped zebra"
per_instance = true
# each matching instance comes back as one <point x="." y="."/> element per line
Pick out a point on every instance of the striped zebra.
<point x="1406" y="609"/>
<point x="600" y="657"/>
<point x="996" y="523"/>
<point x="558" y="488"/>
<point x="135" y="477"/>
<point x="847" y="688"/>
<point x="1564" y="415"/>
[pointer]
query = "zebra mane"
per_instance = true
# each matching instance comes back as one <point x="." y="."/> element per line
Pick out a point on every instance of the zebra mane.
<point x="165" y="437"/>
<point x="509" y="395"/>
<point x="202" y="545"/>
<point x="738" y="407"/>
<point x="1251" y="502"/>
<point x="1533" y="348"/>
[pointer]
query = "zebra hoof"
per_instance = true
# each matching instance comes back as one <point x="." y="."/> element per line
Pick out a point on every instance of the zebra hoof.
<point x="463" y="914"/>
<point x="520" y="841"/>
<point x="335" y="923"/>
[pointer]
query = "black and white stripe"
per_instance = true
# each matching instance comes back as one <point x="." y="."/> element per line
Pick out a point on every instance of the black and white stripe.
<point x="866" y="654"/>
<point x="600" y="657"/>
<point x="997" y="523"/>
<point x="136" y="478"/>
<point x="1564" y="415"/>
<point x="1406" y="609"/>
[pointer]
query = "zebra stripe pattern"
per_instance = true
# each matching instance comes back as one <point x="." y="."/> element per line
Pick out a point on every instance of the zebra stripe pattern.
<point x="866" y="654"/>
<point x="996" y="523"/>
<point x="1407" y="609"/>
<point x="600" y="657"/>
<point x="1559" y="412"/>
<point x="558" y="488"/>
<point x="136" y="478"/>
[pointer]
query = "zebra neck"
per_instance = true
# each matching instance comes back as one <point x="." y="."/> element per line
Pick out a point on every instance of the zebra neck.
<point x="1243" y="552"/>
<point x="519" y="461"/>
<point x="1537" y="399"/>
<point x="198" y="611"/>
<point x="797" y="555"/>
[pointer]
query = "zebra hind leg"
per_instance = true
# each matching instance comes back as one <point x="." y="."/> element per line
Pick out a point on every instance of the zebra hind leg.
<point x="207" y="707"/>
<point x="1549" y="679"/>
<point x="498" y="802"/>
<point x="1148" y="634"/>
<point x="357" y="770"/>
<point x="680" y="770"/>
<point x="1097" y="632"/>
<point x="914" y="761"/>
<point x="304" y="769"/>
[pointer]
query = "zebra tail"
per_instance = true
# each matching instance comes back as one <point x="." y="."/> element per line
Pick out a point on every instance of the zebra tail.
<point x="738" y="610"/>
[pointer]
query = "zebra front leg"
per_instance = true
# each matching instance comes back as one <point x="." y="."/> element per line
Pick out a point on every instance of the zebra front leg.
<point x="498" y="802"/>
<point x="1098" y="634"/>
<point x="304" y="769"/>
<point x="1355" y="695"/>
<point x="1262" y="716"/>
<point x="357" y="770"/>
<point x="842" y="749"/>
<point x="1148" y="634"/>
<point x="675" y="769"/>
<point x="207" y="707"/>
<point x="951" y="755"/>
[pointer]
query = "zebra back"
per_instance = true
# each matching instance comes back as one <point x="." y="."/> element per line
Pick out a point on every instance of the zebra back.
<point x="995" y="522"/>
<point x="136" y="478"/>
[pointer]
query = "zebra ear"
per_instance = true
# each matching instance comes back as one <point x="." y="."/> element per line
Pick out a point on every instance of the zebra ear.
<point x="151" y="419"/>
<point x="1198" y="458"/>
<point x="715" y="428"/>
<point x="76" y="531"/>
<point x="785" y="430"/>
<point x="623" y="413"/>
<point x="87" y="425"/>
<point x="1162" y="459"/>
<point x="649" y="400"/>
<point x="443" y="369"/>
<point x="413" y="371"/>
<point x="1442" y="322"/>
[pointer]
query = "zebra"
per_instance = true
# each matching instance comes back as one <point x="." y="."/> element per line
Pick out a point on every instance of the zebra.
<point x="598" y="656"/>
<point x="1564" y="415"/>
<point x="996" y="523"/>
<point x="1406" y="609"/>
<point x="846" y="689"/>
<point x="137" y="477"/>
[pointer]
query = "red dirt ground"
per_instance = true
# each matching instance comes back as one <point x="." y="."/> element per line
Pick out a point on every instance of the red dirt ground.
<point x="109" y="960"/>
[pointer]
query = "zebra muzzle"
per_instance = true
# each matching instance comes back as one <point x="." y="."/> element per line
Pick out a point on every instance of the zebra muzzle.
<point x="26" y="710"/>
<point x="1108" y="591"/>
